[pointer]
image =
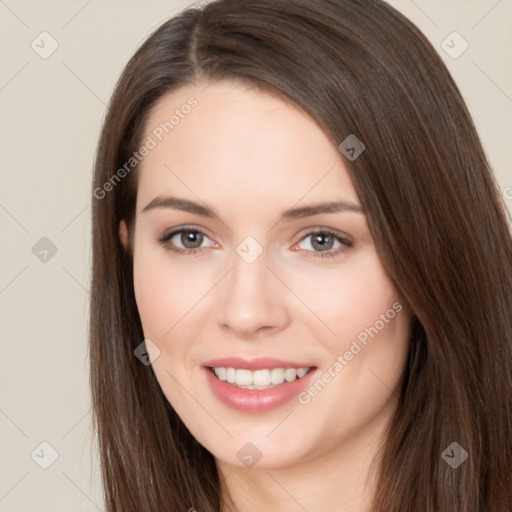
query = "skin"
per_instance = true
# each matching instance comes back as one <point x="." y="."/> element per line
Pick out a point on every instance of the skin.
<point x="249" y="156"/>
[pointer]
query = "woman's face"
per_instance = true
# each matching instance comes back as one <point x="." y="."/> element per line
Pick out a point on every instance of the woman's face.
<point x="238" y="266"/>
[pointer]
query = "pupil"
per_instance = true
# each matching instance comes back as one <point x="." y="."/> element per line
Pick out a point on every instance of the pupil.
<point x="324" y="241"/>
<point x="191" y="239"/>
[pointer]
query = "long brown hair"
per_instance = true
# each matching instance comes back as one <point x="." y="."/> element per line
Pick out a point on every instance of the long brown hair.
<point x="434" y="210"/>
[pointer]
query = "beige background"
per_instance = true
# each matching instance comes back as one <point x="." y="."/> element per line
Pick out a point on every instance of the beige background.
<point x="52" y="111"/>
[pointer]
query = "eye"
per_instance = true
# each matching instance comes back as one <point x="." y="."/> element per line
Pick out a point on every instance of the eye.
<point x="319" y="243"/>
<point x="324" y="243"/>
<point x="185" y="241"/>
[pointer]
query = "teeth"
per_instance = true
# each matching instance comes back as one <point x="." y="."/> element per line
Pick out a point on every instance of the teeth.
<point x="290" y="374"/>
<point x="259" y="379"/>
<point x="243" y="378"/>
<point x="230" y="375"/>
<point x="221" y="373"/>
<point x="277" y="375"/>
<point x="301" y="372"/>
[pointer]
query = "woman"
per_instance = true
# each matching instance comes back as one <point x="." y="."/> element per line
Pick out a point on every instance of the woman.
<point x="301" y="290"/>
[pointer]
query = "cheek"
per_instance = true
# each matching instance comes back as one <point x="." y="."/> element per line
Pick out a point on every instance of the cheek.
<point x="351" y="298"/>
<point x="164" y="290"/>
<point x="153" y="294"/>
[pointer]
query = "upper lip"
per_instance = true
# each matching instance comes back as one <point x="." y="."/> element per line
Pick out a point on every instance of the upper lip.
<point x="258" y="363"/>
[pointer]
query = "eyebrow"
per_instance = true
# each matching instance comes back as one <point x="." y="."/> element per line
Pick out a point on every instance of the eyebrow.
<point x="290" y="214"/>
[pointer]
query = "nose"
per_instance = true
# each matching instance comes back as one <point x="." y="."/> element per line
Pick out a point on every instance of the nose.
<point x="252" y="300"/>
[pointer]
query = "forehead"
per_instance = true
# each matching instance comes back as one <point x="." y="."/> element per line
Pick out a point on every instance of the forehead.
<point x="227" y="140"/>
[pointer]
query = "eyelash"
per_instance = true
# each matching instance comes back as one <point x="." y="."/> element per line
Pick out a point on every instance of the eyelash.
<point x="345" y="242"/>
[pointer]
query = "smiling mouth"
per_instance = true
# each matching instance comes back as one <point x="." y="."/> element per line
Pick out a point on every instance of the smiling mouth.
<point x="258" y="379"/>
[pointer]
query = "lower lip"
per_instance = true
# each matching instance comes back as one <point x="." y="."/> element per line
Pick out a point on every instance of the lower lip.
<point x="255" y="400"/>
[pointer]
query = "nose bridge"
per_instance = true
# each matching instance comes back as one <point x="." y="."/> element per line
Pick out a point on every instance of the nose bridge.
<point x="250" y="271"/>
<point x="250" y="299"/>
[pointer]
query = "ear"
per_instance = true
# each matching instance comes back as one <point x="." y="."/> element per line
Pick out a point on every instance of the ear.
<point x="123" y="234"/>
